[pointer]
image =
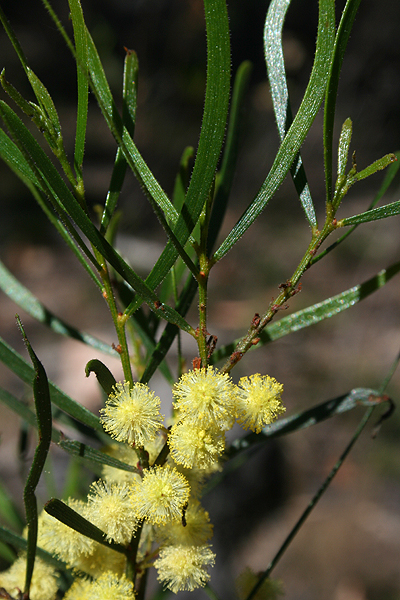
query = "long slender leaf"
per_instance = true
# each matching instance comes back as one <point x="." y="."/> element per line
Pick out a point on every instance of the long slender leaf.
<point x="83" y="84"/>
<point x="298" y="130"/>
<point x="24" y="371"/>
<point x="41" y="394"/>
<point x="26" y="300"/>
<point x="382" y="212"/>
<point x="129" y="98"/>
<point x="273" y="51"/>
<point x="342" y="37"/>
<point x="317" y="312"/>
<point x="75" y="448"/>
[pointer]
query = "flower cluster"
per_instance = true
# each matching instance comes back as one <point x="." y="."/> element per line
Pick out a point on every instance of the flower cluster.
<point x="158" y="498"/>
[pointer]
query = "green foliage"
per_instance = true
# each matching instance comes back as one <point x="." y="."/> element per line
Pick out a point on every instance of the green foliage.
<point x="149" y="313"/>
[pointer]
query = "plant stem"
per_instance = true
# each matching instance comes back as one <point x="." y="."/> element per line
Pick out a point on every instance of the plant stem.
<point x="289" y="289"/>
<point x="118" y="319"/>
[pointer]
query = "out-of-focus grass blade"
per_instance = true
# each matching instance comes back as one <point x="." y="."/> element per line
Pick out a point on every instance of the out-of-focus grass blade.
<point x="59" y="510"/>
<point x="84" y="451"/>
<point x="83" y="83"/>
<point x="9" y="511"/>
<point x="24" y="371"/>
<point x="14" y="158"/>
<point x="298" y="130"/>
<point x="353" y="399"/>
<point x="342" y="36"/>
<point x="382" y="212"/>
<point x="17" y="541"/>
<point x="26" y="300"/>
<point x="273" y="51"/>
<point x="312" y="416"/>
<point x="23" y="411"/>
<point x="229" y="159"/>
<point x="41" y="394"/>
<point x="317" y="312"/>
<point x="129" y="99"/>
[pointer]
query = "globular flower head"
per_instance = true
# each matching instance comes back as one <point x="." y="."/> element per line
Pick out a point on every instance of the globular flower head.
<point x="206" y="397"/>
<point x="110" y="508"/>
<point x="258" y="401"/>
<point x="194" y="530"/>
<point x="194" y="446"/>
<point x="107" y="586"/>
<point x="132" y="414"/>
<point x="161" y="496"/>
<point x="183" y="567"/>
<point x="44" y="584"/>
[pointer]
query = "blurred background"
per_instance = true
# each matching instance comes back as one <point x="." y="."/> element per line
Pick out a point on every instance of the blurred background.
<point x="349" y="549"/>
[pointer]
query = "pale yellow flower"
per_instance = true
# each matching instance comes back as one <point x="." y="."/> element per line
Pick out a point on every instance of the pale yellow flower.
<point x="194" y="446"/>
<point x="161" y="496"/>
<point x="110" y="508"/>
<point x="206" y="398"/>
<point x="258" y="401"/>
<point x="194" y="529"/>
<point x="44" y="580"/>
<point x="132" y="414"/>
<point x="184" y="567"/>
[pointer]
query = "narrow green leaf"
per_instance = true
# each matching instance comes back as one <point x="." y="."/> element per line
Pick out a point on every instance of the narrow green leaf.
<point x="382" y="212"/>
<point x="83" y="83"/>
<point x="26" y="300"/>
<point x="273" y="52"/>
<point x="14" y="158"/>
<point x="343" y="151"/>
<point x="378" y="165"/>
<point x="129" y="99"/>
<point x="104" y="376"/>
<point x="75" y="448"/>
<point x="317" y="312"/>
<point x="298" y="130"/>
<point x="24" y="371"/>
<point x="342" y="36"/>
<point x="41" y="394"/>
<point x="46" y="103"/>
<point x="59" y="510"/>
